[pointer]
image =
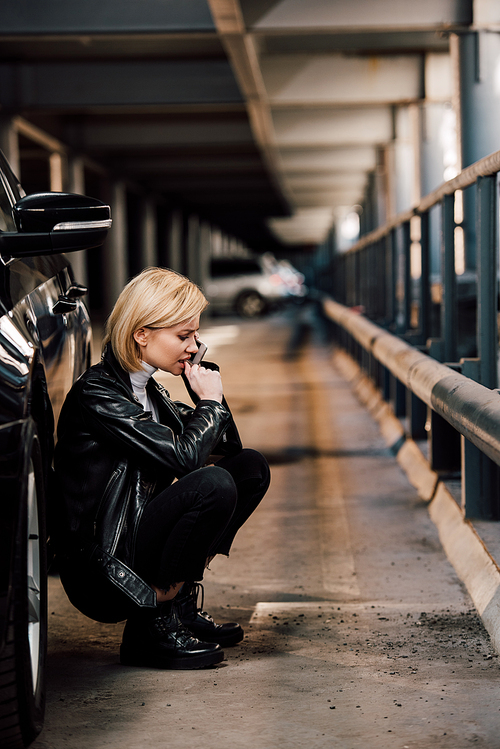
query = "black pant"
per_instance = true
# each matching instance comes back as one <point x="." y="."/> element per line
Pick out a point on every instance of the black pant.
<point x="197" y="517"/>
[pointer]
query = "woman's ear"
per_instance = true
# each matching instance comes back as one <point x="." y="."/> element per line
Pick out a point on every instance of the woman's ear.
<point x="141" y="336"/>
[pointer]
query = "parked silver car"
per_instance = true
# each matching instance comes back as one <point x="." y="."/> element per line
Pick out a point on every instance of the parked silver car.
<point x="251" y="286"/>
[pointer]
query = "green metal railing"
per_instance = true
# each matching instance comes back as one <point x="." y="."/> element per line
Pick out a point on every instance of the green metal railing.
<point x="410" y="334"/>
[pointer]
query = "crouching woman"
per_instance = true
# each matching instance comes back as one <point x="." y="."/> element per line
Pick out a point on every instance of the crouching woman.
<point x="151" y="489"/>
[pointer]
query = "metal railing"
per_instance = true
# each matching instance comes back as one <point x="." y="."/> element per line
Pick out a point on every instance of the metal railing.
<point x="409" y="340"/>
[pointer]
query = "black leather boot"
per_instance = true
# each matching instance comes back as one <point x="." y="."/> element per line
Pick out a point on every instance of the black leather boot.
<point x="160" y="640"/>
<point x="200" y="623"/>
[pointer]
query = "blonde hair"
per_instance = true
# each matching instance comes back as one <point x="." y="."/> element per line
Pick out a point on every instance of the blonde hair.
<point x="156" y="298"/>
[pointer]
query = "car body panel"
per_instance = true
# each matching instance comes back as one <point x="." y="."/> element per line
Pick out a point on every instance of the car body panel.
<point x="45" y="338"/>
<point x="41" y="354"/>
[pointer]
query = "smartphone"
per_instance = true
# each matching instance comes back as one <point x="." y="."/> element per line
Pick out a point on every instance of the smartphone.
<point x="202" y="350"/>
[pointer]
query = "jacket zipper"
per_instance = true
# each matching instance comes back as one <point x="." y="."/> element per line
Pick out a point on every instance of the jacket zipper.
<point x="114" y="476"/>
<point x="138" y="517"/>
<point x="119" y="527"/>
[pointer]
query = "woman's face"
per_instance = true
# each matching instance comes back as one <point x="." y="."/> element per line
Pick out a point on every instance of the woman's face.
<point x="168" y="349"/>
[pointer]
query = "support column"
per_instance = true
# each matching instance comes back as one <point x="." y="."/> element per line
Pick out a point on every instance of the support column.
<point x="149" y="235"/>
<point x="487" y="280"/>
<point x="425" y="280"/>
<point x="406" y="257"/>
<point x="404" y="161"/>
<point x="391" y="279"/>
<point x="439" y="154"/>
<point x="9" y="144"/>
<point x="76" y="184"/>
<point x="479" y="52"/>
<point x="115" y="249"/>
<point x="193" y="269"/>
<point x="58" y="172"/>
<point x="449" y="309"/>
<point x="205" y="252"/>
<point x="175" y="241"/>
<point x="479" y="103"/>
<point x="437" y="151"/>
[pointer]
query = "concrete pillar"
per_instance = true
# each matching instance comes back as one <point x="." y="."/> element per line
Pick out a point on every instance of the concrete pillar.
<point x="438" y="145"/>
<point x="149" y="234"/>
<point x="438" y="139"/>
<point x="216" y="242"/>
<point x="76" y="175"/>
<point x="58" y="172"/>
<point x="369" y="215"/>
<point x="479" y="60"/>
<point x="115" y="249"/>
<point x="175" y="241"/>
<point x="76" y="184"/>
<point x="193" y="265"/>
<point x="404" y="160"/>
<point x="478" y="96"/>
<point x="438" y="163"/>
<point x="9" y="144"/>
<point x="162" y="234"/>
<point x="205" y="252"/>
<point x="380" y="190"/>
<point x="439" y="142"/>
<point x="399" y="170"/>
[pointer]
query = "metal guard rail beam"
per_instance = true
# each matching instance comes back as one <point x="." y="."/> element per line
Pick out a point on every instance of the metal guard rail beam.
<point x="472" y="409"/>
<point x="485" y="167"/>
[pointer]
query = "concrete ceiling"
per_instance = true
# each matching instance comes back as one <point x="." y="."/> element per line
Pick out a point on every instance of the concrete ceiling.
<point x="263" y="115"/>
<point x="322" y="81"/>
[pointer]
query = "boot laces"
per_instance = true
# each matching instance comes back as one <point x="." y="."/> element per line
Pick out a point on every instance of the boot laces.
<point x="168" y="624"/>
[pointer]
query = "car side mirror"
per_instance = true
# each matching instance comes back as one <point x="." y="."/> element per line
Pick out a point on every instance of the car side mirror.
<point x="52" y="222"/>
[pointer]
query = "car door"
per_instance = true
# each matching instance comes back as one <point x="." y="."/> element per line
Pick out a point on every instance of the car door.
<point x="44" y="346"/>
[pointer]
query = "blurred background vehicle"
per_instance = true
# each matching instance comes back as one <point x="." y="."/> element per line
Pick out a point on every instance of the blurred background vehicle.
<point x="45" y="338"/>
<point x="251" y="286"/>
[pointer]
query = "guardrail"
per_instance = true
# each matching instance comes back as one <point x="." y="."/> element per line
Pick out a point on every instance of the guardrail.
<point x="408" y="340"/>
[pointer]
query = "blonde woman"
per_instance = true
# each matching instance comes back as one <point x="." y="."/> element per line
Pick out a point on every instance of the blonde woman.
<point x="151" y="490"/>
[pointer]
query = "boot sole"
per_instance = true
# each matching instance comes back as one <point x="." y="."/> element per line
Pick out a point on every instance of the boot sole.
<point x="224" y="642"/>
<point x="151" y="661"/>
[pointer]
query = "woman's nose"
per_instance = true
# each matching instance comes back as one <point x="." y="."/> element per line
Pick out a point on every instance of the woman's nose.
<point x="192" y="348"/>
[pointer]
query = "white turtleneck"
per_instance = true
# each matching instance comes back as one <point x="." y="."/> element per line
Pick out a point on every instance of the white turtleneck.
<point x="139" y="380"/>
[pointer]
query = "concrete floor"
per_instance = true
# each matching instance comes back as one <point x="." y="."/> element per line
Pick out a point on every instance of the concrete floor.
<point x="358" y="632"/>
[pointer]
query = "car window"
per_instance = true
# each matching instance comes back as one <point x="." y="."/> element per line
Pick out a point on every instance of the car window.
<point x="222" y="268"/>
<point x="24" y="275"/>
<point x="6" y="219"/>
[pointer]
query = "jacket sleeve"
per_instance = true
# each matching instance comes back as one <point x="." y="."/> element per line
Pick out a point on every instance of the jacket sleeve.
<point x="230" y="441"/>
<point x="110" y="415"/>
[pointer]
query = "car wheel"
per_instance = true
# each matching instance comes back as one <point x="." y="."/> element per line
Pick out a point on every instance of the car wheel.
<point x="250" y="304"/>
<point x="22" y="669"/>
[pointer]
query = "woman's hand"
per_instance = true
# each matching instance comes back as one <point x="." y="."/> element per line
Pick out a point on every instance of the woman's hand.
<point x="206" y="383"/>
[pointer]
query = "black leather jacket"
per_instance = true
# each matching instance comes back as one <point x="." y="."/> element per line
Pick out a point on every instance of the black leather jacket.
<point x="111" y="458"/>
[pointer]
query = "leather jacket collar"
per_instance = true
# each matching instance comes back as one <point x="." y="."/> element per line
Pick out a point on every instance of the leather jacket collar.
<point x="108" y="357"/>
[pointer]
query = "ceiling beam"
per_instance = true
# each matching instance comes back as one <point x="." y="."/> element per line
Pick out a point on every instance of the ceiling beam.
<point x="193" y="164"/>
<point x="314" y="181"/>
<point x="182" y="45"/>
<point x="242" y="54"/>
<point x="333" y="127"/>
<point x="333" y="79"/>
<point x="76" y="85"/>
<point x="147" y="135"/>
<point x="321" y="160"/>
<point x="289" y="16"/>
<point x="307" y="226"/>
<point x="101" y="16"/>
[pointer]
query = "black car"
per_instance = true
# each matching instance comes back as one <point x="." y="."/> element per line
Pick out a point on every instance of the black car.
<point x="45" y="338"/>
